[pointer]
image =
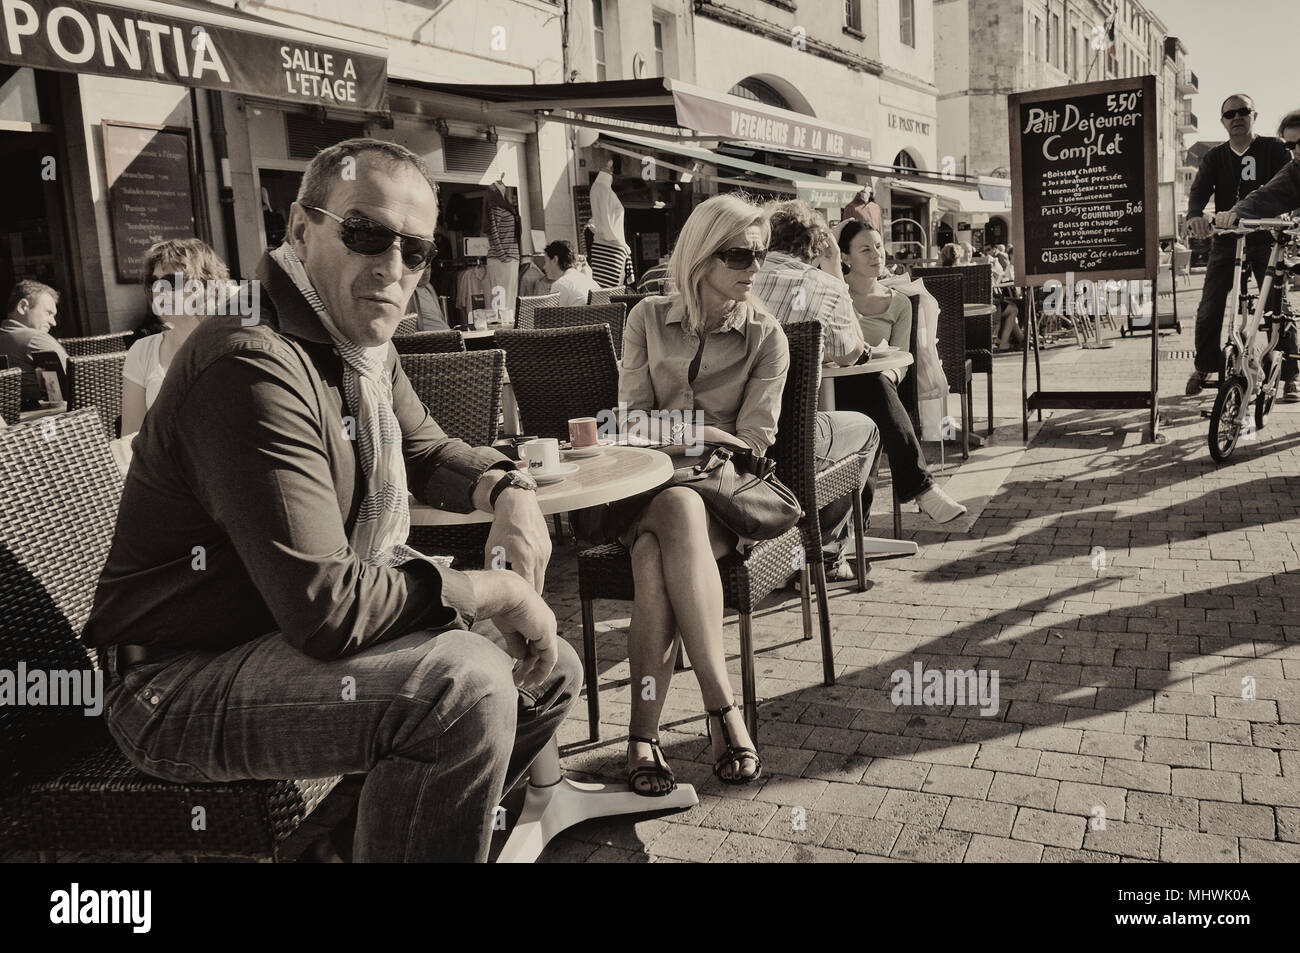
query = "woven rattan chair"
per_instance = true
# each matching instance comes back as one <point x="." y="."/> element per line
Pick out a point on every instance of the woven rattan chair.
<point x="560" y="374"/>
<point x="11" y="394"/>
<point x="463" y="393"/>
<point x="99" y="344"/>
<point x="528" y="306"/>
<point x="96" y="381"/>
<point x="614" y="315"/>
<point x="64" y="785"/>
<point x="605" y="572"/>
<point x="605" y="295"/>
<point x="951" y="344"/>
<point x="407" y="326"/>
<point x="429" y="342"/>
<point x="630" y="300"/>
<point x="977" y="288"/>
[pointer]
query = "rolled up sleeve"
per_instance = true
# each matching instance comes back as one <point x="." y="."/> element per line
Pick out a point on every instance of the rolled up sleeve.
<point x="760" y="405"/>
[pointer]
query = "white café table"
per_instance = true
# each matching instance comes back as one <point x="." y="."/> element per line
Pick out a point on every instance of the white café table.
<point x="553" y="802"/>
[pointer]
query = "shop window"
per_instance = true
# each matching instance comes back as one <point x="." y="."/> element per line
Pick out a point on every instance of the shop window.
<point x="307" y="136"/>
<point x="907" y="22"/>
<point x="18" y="98"/>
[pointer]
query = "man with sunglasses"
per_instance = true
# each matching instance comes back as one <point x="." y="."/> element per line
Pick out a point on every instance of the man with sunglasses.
<point x="1229" y="172"/>
<point x="260" y="613"/>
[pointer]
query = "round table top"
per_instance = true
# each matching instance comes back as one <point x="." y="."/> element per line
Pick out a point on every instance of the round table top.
<point x="976" y="310"/>
<point x="477" y="335"/>
<point x="614" y="474"/>
<point x="43" y="411"/>
<point x="887" y="362"/>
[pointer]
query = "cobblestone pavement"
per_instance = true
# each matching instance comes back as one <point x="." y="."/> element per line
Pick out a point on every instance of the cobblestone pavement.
<point x="1150" y="703"/>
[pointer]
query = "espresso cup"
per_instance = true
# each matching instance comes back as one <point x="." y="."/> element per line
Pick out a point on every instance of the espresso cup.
<point x="543" y="455"/>
<point x="582" y="432"/>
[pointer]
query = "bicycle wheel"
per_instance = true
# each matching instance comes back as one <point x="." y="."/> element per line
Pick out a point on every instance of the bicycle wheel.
<point x="1224" y="425"/>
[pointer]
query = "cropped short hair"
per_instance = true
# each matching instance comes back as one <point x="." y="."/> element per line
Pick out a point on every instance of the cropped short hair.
<point x="710" y="226"/>
<point x="562" y="251"/>
<point x="324" y="169"/>
<point x="949" y="254"/>
<point x="31" y="289"/>
<point x="1242" y="96"/>
<point x="796" y="229"/>
<point x="1290" y="121"/>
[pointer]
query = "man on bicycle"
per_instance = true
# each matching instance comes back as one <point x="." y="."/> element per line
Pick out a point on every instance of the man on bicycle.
<point x="1230" y="172"/>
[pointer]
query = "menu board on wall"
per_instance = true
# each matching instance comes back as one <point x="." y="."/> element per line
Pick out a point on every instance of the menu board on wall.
<point x="1084" y="181"/>
<point x="150" y="190"/>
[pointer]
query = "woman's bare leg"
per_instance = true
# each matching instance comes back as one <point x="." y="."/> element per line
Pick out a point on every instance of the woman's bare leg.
<point x="650" y="655"/>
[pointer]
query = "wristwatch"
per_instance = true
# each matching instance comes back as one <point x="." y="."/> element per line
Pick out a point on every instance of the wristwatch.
<point x="512" y="478"/>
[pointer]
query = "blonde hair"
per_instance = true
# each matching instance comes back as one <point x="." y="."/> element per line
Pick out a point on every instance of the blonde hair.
<point x="709" y="228"/>
<point x="192" y="257"/>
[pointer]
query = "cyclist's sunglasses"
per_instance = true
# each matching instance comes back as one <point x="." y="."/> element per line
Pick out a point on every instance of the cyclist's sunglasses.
<point x="1293" y="146"/>
<point x="1234" y="113"/>
<point x="739" y="259"/>
<point x="365" y="237"/>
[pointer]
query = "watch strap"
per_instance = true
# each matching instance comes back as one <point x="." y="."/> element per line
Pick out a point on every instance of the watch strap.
<point x="508" y="479"/>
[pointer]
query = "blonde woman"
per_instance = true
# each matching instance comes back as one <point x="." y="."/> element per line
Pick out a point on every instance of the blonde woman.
<point x="174" y="263"/>
<point x="709" y="347"/>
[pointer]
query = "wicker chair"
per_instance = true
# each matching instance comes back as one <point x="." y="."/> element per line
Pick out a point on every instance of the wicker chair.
<point x="630" y="300"/>
<point x="605" y="295"/>
<point x="99" y="344"/>
<point x="605" y="572"/>
<point x="528" y="307"/>
<point x="463" y="393"/>
<point x="429" y="342"/>
<point x="977" y="288"/>
<point x="951" y="344"/>
<point x="560" y="374"/>
<point x="11" y="395"/>
<point x="64" y="785"/>
<point x="614" y="315"/>
<point x="407" y="326"/>
<point x="96" y="381"/>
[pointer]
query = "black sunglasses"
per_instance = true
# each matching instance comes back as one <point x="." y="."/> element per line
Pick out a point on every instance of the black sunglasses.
<point x="365" y="237"/>
<point x="738" y="259"/>
<point x="1293" y="146"/>
<point x="1234" y="113"/>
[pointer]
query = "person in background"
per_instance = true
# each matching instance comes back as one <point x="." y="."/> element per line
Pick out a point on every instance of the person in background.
<point x="712" y="348"/>
<point x="795" y="289"/>
<point x="168" y="267"/>
<point x="949" y="255"/>
<point x="424" y="304"/>
<point x="1229" y="172"/>
<point x="886" y="315"/>
<point x="567" y="281"/>
<point x="532" y="278"/>
<point x="967" y="256"/>
<point x="655" y="280"/>
<point x="29" y="315"/>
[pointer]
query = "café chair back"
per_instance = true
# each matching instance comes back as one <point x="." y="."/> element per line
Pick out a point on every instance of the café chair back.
<point x="614" y="315"/>
<point x="11" y="395"/>
<point x="96" y="381"/>
<point x="463" y="394"/>
<point x="630" y="300"/>
<point x="560" y="374"/>
<point x="528" y="305"/>
<point x="98" y="344"/>
<point x="605" y="572"/>
<point x="951" y="344"/>
<point x="429" y="342"/>
<point x="408" y="325"/>
<point x="605" y="295"/>
<point x="977" y="288"/>
<point x="64" y="785"/>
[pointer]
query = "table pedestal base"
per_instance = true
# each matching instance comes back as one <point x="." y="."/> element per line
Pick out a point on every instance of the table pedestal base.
<point x="551" y="809"/>
<point x="876" y="547"/>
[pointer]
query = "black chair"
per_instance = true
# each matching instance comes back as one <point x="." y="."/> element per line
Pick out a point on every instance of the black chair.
<point x="614" y="315"/>
<point x="64" y="785"/>
<point x="605" y="572"/>
<point x="98" y="344"/>
<point x="605" y="295"/>
<point x="96" y="381"/>
<point x="977" y="288"/>
<point x="560" y="374"/>
<point x="11" y="395"/>
<point x="429" y="342"/>
<point x="407" y="326"/>
<point x="463" y="394"/>
<point x="528" y="306"/>
<point x="951" y="344"/>
<point x="630" y="300"/>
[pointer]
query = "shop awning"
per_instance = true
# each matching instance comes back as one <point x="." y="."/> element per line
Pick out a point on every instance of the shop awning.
<point x="955" y="198"/>
<point x="817" y="191"/>
<point x="194" y="43"/>
<point x="680" y="108"/>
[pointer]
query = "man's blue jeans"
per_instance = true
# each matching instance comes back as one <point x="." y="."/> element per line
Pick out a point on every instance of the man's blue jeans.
<point x="840" y="433"/>
<point x="432" y="719"/>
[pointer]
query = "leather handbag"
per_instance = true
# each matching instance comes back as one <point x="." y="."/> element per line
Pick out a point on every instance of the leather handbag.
<point x="741" y="491"/>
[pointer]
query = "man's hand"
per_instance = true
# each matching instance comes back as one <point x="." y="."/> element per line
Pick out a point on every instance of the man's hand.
<point x="1199" y="227"/>
<point x="520" y="615"/>
<point x="519" y="529"/>
<point x="1225" y="219"/>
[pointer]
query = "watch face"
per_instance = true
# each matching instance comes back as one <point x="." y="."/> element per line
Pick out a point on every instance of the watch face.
<point x="523" y="480"/>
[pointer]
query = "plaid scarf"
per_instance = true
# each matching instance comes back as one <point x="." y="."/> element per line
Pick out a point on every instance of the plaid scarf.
<point x="384" y="520"/>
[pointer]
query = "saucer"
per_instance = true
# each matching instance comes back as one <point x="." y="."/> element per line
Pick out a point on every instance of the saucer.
<point x="579" y="453"/>
<point x="556" y="475"/>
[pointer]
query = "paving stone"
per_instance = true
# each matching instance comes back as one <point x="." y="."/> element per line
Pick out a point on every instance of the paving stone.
<point x="1070" y="767"/>
<point x="1244" y="759"/>
<point x="1268" y="852"/>
<point x="1277" y="736"/>
<point x="1155" y="724"/>
<point x="1187" y="847"/>
<point x="1174" y="752"/>
<point x="932" y="846"/>
<point x="1162" y="810"/>
<point x="1108" y="744"/>
<point x="829" y="766"/>
<point x="964" y="782"/>
<point x="864" y="835"/>
<point x="792" y="791"/>
<point x="1063" y="855"/>
<point x="857" y="800"/>
<point x="732" y="814"/>
<point x="1024" y="791"/>
<point x="1206" y="785"/>
<point x="746" y="848"/>
<point x="804" y="854"/>
<point x="1125" y="839"/>
<point x="695" y="844"/>
<point x="1288" y="824"/>
<point x="913" y="807"/>
<point x="810" y="827"/>
<point x="1004" y="758"/>
<point x="980" y="817"/>
<point x="1237" y="820"/>
<point x="1046" y="827"/>
<point x="1258" y="789"/>
<point x="889" y="773"/>
<point x="1218" y="729"/>
<point x="1084" y="799"/>
<point x="1136" y="775"/>
<point x="1246" y="709"/>
<point x="984" y="849"/>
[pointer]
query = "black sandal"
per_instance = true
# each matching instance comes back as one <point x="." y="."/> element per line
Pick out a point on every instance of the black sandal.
<point x="734" y="753"/>
<point x="659" y="770"/>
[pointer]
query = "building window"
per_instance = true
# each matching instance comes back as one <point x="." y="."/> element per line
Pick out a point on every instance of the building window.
<point x="1072" y="53"/>
<point x="1054" y="39"/>
<point x="904" y="161"/>
<point x="598" y="23"/>
<point x="907" y="22"/>
<point x="1038" y="39"/>
<point x="759" y="92"/>
<point x="853" y="14"/>
<point x="659" y="48"/>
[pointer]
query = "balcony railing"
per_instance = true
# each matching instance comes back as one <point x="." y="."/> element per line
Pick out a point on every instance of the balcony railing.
<point x="1188" y="82"/>
<point x="1187" y="122"/>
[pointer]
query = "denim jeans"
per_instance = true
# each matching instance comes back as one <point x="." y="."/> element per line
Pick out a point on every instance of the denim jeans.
<point x="1219" y="276"/>
<point x="840" y="433"/>
<point x="432" y="719"/>
<point x="876" y="395"/>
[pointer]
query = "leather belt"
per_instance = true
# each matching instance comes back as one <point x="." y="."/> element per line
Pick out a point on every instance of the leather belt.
<point x="127" y="656"/>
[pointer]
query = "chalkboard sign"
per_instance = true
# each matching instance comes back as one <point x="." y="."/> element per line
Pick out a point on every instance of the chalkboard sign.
<point x="150" y="190"/>
<point x="1084" y="181"/>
